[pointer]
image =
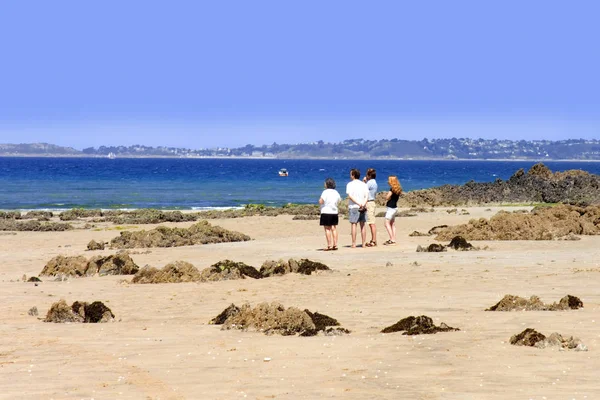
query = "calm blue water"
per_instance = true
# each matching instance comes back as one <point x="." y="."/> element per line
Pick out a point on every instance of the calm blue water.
<point x="63" y="183"/>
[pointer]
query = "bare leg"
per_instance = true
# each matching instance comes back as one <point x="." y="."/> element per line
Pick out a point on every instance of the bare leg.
<point x="393" y="226"/>
<point x="373" y="228"/>
<point x="328" y="235"/>
<point x="363" y="234"/>
<point x="334" y="232"/>
<point x="353" y="234"/>
<point x="388" y="228"/>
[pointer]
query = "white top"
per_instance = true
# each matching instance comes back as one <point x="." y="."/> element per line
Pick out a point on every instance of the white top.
<point x="331" y="198"/>
<point x="358" y="190"/>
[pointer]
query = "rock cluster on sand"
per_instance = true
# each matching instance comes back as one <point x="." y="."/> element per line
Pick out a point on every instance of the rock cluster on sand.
<point x="531" y="337"/>
<point x="162" y="236"/>
<point x="516" y="303"/>
<point x="274" y="318"/>
<point x="433" y="231"/>
<point x="538" y="185"/>
<point x="117" y="264"/>
<point x="79" y="312"/>
<point x="33" y="226"/>
<point x="457" y="243"/>
<point x="417" y="326"/>
<point x="543" y="223"/>
<point x="153" y="216"/>
<point x="181" y="271"/>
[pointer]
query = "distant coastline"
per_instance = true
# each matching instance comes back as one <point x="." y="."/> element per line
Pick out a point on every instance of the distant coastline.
<point x="354" y="149"/>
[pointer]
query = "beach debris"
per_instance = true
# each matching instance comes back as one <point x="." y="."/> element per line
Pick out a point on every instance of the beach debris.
<point x="389" y="264"/>
<point x="162" y="236"/>
<point x="515" y="303"/>
<point x="543" y="223"/>
<point x="432" y="248"/>
<point x="274" y="318"/>
<point x="117" y="264"/>
<point x="421" y="325"/>
<point x="93" y="245"/>
<point x="95" y="312"/>
<point x="34" y="279"/>
<point x="33" y="311"/>
<point x="532" y="338"/>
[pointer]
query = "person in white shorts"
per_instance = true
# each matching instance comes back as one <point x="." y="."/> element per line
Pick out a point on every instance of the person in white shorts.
<point x="392" y="206"/>
<point x="371" y="206"/>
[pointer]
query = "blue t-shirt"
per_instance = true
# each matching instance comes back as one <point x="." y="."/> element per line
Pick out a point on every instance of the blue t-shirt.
<point x="372" y="186"/>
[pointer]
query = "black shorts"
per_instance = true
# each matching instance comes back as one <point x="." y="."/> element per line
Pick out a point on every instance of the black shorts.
<point x="329" y="220"/>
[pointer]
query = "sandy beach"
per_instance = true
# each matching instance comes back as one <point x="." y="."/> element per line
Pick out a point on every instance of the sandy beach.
<point x="161" y="345"/>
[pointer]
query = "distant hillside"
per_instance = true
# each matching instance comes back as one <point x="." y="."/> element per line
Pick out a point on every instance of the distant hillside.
<point x="464" y="149"/>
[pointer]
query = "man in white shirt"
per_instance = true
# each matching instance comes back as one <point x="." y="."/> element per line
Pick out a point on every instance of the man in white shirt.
<point x="358" y="193"/>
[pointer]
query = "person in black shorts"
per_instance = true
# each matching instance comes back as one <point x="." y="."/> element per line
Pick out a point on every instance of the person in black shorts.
<point x="329" y="201"/>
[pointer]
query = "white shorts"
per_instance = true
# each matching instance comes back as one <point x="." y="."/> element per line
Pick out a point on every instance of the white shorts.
<point x="390" y="213"/>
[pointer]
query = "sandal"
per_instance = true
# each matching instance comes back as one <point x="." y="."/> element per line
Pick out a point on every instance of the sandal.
<point x="328" y="249"/>
<point x="371" y="244"/>
<point x="334" y="248"/>
<point x="389" y="242"/>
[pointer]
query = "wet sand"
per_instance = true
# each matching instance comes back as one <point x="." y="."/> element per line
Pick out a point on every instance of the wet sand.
<point x="162" y="347"/>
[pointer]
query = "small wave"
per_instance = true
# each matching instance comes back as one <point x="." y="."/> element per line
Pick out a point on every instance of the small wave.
<point x="216" y="208"/>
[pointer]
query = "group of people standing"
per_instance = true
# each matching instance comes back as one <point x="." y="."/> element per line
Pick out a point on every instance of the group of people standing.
<point x="361" y="208"/>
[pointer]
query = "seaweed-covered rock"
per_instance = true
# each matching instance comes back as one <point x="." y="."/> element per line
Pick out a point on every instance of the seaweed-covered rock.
<point x="79" y="312"/>
<point x="61" y="312"/>
<point x="148" y="216"/>
<point x="227" y="270"/>
<point x="307" y="267"/>
<point x="557" y="340"/>
<point x="460" y="243"/>
<point x="516" y="303"/>
<point x="226" y="313"/>
<point x="417" y="326"/>
<point x="275" y="318"/>
<point x="529" y="337"/>
<point x="34" y="279"/>
<point x="93" y="245"/>
<point x="199" y="233"/>
<point x="176" y="272"/>
<point x="116" y="264"/>
<point x="76" y="213"/>
<point x="303" y="266"/>
<point x="270" y="319"/>
<point x="66" y="266"/>
<point x="432" y="248"/>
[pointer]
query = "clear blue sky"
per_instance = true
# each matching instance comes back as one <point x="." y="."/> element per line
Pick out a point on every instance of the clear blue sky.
<point x="227" y="73"/>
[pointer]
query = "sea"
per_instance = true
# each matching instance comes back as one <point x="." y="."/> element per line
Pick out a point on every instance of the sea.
<point x="55" y="184"/>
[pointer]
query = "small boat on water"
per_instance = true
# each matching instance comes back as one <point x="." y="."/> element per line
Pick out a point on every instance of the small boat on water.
<point x="283" y="172"/>
<point x="111" y="155"/>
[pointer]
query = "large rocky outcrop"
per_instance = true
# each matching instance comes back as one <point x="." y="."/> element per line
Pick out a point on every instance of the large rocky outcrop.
<point x="538" y="185"/>
<point x="543" y="223"/>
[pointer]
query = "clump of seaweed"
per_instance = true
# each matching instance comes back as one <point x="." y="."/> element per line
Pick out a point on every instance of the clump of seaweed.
<point x="33" y="226"/>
